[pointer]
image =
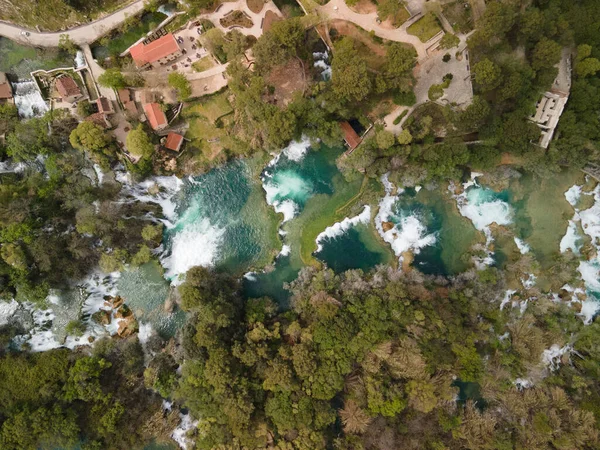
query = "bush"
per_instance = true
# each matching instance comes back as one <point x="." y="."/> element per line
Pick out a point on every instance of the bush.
<point x="436" y="91"/>
<point x="405" y="98"/>
<point x="400" y="117"/>
<point x="446" y="57"/>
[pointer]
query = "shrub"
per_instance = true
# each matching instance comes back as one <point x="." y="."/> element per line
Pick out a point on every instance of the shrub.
<point x="405" y="98"/>
<point x="446" y="57"/>
<point x="400" y="117"/>
<point x="435" y="92"/>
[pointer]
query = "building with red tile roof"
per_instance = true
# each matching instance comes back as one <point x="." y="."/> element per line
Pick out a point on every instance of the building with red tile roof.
<point x="156" y="53"/>
<point x="156" y="116"/>
<point x="68" y="89"/>
<point x="351" y="138"/>
<point x="174" y="142"/>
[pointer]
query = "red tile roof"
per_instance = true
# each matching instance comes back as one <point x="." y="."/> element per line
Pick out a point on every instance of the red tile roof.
<point x="155" y="115"/>
<point x="174" y="141"/>
<point x="143" y="54"/>
<point x="67" y="87"/>
<point x="350" y="136"/>
<point x="98" y="119"/>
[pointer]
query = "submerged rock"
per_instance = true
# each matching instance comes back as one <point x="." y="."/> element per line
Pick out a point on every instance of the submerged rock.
<point x="387" y="226"/>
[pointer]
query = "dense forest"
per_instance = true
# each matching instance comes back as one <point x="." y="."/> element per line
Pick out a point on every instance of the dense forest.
<point x="377" y="360"/>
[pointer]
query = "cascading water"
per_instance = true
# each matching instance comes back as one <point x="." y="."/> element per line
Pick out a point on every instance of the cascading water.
<point x="28" y="100"/>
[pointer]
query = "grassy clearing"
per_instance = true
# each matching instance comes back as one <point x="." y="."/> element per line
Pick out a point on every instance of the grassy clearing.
<point x="425" y="28"/>
<point x="459" y="16"/>
<point x="203" y="64"/>
<point x="255" y="6"/>
<point x="205" y="132"/>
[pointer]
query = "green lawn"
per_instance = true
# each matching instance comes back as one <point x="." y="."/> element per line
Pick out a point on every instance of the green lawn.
<point x="425" y="28"/>
<point x="202" y="116"/>
<point x="203" y="64"/>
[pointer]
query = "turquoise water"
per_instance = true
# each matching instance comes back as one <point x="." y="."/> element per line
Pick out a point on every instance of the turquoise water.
<point x="349" y="251"/>
<point x="222" y="221"/>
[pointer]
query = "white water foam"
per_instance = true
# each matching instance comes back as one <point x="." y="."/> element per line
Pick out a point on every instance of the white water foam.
<point x="571" y="240"/>
<point x="340" y="228"/>
<point x="409" y="233"/>
<point x="478" y="205"/>
<point x="180" y="433"/>
<point x="551" y="357"/>
<point x="28" y="100"/>
<point x="522" y="246"/>
<point x="79" y="60"/>
<point x="285" y="250"/>
<point x="507" y="296"/>
<point x="572" y="195"/>
<point x="196" y="244"/>
<point x="321" y="61"/>
<point x="7" y="309"/>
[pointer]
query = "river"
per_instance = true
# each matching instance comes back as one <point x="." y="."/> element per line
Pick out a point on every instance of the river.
<point x="262" y="219"/>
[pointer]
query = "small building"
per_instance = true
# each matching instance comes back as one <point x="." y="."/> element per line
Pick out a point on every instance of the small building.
<point x="157" y="53"/>
<point x="6" y="93"/>
<point x="156" y="116"/>
<point x="99" y="119"/>
<point x="174" y="142"/>
<point x="351" y="138"/>
<point x="105" y="106"/>
<point x="124" y="95"/>
<point x="131" y="108"/>
<point x="68" y="89"/>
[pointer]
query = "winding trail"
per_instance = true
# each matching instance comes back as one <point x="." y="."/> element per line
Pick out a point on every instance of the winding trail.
<point x="81" y="35"/>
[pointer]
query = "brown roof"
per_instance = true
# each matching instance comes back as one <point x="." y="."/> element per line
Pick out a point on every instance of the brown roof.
<point x="5" y="91"/>
<point x="97" y="118"/>
<point x="143" y="54"/>
<point x="174" y="141"/>
<point x="124" y="95"/>
<point x="131" y="108"/>
<point x="350" y="136"/>
<point x="155" y="115"/>
<point x="67" y="87"/>
<point x="104" y="105"/>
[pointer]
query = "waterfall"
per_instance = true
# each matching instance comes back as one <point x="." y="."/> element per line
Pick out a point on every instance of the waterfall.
<point x="28" y="100"/>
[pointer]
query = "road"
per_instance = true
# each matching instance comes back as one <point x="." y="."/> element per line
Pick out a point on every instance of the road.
<point x="337" y="9"/>
<point x="84" y="34"/>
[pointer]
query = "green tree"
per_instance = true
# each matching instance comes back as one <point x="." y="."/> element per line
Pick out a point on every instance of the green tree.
<point x="404" y="137"/>
<point x="90" y="137"/>
<point x="350" y="77"/>
<point x="384" y="139"/>
<point x="138" y="143"/>
<point x="180" y="83"/>
<point x="546" y="54"/>
<point x="112" y="78"/>
<point x="488" y="75"/>
<point x="449" y="40"/>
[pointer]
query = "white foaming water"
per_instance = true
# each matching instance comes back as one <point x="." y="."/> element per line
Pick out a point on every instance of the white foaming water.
<point x="168" y="187"/>
<point x="522" y="246"/>
<point x="481" y="207"/>
<point x="7" y="309"/>
<point x="79" y="59"/>
<point x="196" y="244"/>
<point x="285" y="250"/>
<point x="28" y="100"/>
<point x="340" y="228"/>
<point x="250" y="276"/>
<point x="551" y="357"/>
<point x="295" y="151"/>
<point x="409" y="233"/>
<point x="571" y="240"/>
<point x="572" y="195"/>
<point x="507" y="296"/>
<point x="99" y="174"/>
<point x="322" y="62"/>
<point x="180" y="433"/>
<point x="145" y="332"/>
<point x="8" y="167"/>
